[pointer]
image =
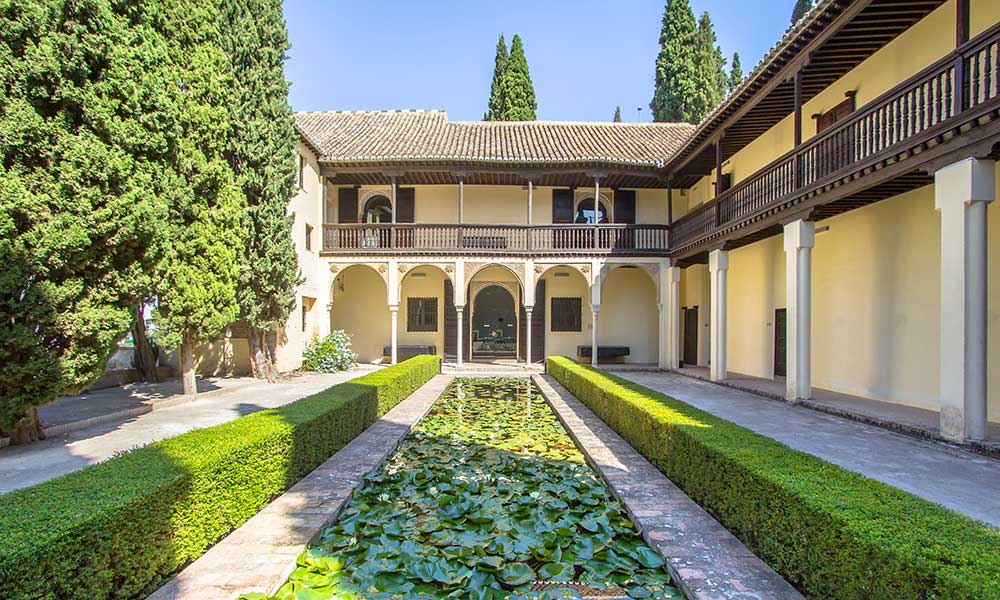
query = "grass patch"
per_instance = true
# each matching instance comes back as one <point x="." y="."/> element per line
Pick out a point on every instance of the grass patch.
<point x="831" y="532"/>
<point x="118" y="529"/>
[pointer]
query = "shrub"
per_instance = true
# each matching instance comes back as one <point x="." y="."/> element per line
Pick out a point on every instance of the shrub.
<point x="117" y="529"/>
<point x="831" y="532"/>
<point x="329" y="355"/>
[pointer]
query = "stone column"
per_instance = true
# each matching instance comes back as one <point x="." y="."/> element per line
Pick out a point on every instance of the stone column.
<point x="800" y="238"/>
<point x="459" y="310"/>
<point x="393" y="312"/>
<point x="527" y="329"/>
<point x="595" y="306"/>
<point x="961" y="193"/>
<point x="595" y="309"/>
<point x="672" y="305"/>
<point x="718" y="264"/>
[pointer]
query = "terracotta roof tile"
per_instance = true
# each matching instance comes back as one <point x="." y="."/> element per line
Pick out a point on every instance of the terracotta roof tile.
<point x="423" y="136"/>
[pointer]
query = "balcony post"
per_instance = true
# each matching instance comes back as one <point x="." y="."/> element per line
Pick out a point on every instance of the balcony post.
<point x="961" y="37"/>
<point x="670" y="201"/>
<point x="718" y="264"/>
<point x="530" y="191"/>
<point x="392" y="231"/>
<point x="962" y="192"/>
<point x="597" y="220"/>
<point x="798" y="127"/>
<point x="461" y="219"/>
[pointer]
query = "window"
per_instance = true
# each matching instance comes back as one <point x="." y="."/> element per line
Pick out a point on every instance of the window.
<point x="421" y="314"/>
<point x="585" y="212"/>
<point x="566" y="314"/>
<point x="309" y="236"/>
<point x="302" y="171"/>
<point x="829" y="118"/>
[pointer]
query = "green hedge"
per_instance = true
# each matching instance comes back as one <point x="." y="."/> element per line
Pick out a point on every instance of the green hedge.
<point x="831" y="532"/>
<point x="118" y="529"/>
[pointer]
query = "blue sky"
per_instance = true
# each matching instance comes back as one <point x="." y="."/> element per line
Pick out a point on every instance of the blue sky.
<point x="585" y="56"/>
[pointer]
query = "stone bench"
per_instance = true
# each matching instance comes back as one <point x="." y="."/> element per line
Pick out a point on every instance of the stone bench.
<point x="405" y="351"/>
<point x="604" y="352"/>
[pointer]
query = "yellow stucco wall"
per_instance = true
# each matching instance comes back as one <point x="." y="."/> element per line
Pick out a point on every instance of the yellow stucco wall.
<point x="629" y="316"/>
<point x="564" y="343"/>
<point x="876" y="302"/>
<point x="695" y="291"/>
<point x="360" y="309"/>
<point x="430" y="285"/>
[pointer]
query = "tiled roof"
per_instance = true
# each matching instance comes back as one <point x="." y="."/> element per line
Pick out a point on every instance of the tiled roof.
<point x="428" y="136"/>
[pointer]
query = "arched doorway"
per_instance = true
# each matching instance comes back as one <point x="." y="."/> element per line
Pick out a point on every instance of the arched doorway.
<point x="494" y="323"/>
<point x="378" y="209"/>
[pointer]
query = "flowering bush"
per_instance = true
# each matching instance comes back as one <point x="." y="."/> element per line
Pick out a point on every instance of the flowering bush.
<point x="329" y="355"/>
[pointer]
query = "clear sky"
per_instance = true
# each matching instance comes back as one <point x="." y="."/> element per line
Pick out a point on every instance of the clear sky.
<point x="585" y="56"/>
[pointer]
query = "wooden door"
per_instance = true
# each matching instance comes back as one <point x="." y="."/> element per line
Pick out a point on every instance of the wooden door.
<point x="780" y="346"/>
<point x="691" y="336"/>
<point x="450" y="323"/>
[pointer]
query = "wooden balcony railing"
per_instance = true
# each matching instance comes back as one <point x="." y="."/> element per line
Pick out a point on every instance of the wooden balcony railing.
<point x="921" y="105"/>
<point x="448" y="238"/>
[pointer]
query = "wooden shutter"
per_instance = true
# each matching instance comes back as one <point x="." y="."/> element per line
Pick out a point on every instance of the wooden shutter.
<point x="538" y="324"/>
<point x="624" y="206"/>
<point x="405" y="201"/>
<point x="450" y="322"/>
<point x="347" y="205"/>
<point x="562" y="206"/>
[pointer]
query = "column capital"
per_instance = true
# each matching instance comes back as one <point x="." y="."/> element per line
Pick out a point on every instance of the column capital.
<point x="799" y="234"/>
<point x="673" y="274"/>
<point x="393" y="307"/>
<point x="965" y="182"/>
<point x="595" y="308"/>
<point x="718" y="260"/>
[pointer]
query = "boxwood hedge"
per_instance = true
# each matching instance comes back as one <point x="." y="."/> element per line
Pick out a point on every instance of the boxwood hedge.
<point x="831" y="532"/>
<point x="118" y="529"/>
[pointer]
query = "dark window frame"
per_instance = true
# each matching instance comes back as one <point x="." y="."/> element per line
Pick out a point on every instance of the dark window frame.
<point x="302" y="171"/>
<point x="841" y="111"/>
<point x="422" y="314"/>
<point x="309" y="235"/>
<point x="567" y="314"/>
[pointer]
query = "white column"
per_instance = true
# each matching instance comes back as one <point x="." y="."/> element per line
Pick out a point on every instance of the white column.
<point x="527" y="329"/>
<point x="393" y="312"/>
<point x="458" y="345"/>
<point x="961" y="193"/>
<point x="800" y="238"/>
<point x="595" y="309"/>
<point x="671" y="281"/>
<point x="718" y="264"/>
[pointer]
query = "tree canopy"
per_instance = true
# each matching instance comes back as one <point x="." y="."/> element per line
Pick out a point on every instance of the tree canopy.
<point x="711" y="69"/>
<point x="618" y="114"/>
<point x="800" y="9"/>
<point x="499" y="65"/>
<point x="87" y="123"/>
<point x="675" y="98"/>
<point x="735" y="73"/>
<point x="261" y="138"/>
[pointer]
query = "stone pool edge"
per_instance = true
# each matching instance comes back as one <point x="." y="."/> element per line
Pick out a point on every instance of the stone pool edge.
<point x="705" y="560"/>
<point x="262" y="553"/>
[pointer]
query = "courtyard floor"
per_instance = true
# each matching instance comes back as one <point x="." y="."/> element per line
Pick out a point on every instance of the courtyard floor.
<point x="958" y="479"/>
<point x="223" y="400"/>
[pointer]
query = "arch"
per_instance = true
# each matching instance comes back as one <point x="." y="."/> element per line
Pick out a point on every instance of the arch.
<point x="474" y="268"/>
<point x="630" y="311"/>
<point x="582" y="268"/>
<point x="584" y="213"/>
<point x="377" y="208"/>
<point x="406" y="269"/>
<point x="359" y="306"/>
<point x="652" y="270"/>
<point x="494" y="322"/>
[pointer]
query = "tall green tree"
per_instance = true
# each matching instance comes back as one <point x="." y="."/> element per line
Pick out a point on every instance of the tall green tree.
<point x="198" y="271"/>
<point x="674" y="98"/>
<point x="800" y="9"/>
<point x="618" y="114"/>
<point x="517" y="94"/>
<point x="735" y="73"/>
<point x="710" y="69"/>
<point x="86" y="131"/>
<point x="260" y="152"/>
<point x="499" y="65"/>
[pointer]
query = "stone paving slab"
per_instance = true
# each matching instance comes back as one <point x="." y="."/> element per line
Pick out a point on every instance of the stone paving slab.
<point x="261" y="554"/>
<point x="706" y="561"/>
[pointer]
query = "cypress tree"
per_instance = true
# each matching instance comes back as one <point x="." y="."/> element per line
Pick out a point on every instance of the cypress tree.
<point x="676" y="66"/>
<point x="86" y="123"/>
<point x="710" y="67"/>
<point x="735" y="73"/>
<point x="198" y="270"/>
<point x="618" y="114"/>
<point x="800" y="9"/>
<point x="260" y="152"/>
<point x="517" y="94"/>
<point x="499" y="65"/>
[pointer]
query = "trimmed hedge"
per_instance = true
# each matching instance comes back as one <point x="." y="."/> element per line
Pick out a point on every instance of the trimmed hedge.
<point x="118" y="529"/>
<point x="831" y="532"/>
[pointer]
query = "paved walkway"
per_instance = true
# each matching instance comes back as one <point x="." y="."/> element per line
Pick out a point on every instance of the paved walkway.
<point x="956" y="478"/>
<point x="260" y="555"/>
<point x="898" y="417"/>
<point x="705" y="560"/>
<point x="22" y="466"/>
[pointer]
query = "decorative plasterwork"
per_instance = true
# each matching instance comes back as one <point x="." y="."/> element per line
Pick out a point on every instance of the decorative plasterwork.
<point x="405" y="267"/>
<point x="471" y="268"/>
<point x="652" y="269"/>
<point x="582" y="268"/>
<point x="379" y="267"/>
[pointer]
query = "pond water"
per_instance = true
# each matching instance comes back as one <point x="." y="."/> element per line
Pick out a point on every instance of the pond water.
<point x="487" y="498"/>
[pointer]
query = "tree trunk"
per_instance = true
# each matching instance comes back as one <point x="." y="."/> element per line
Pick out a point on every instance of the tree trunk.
<point x="188" y="380"/>
<point x="261" y="359"/>
<point x="32" y="432"/>
<point x="145" y="361"/>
